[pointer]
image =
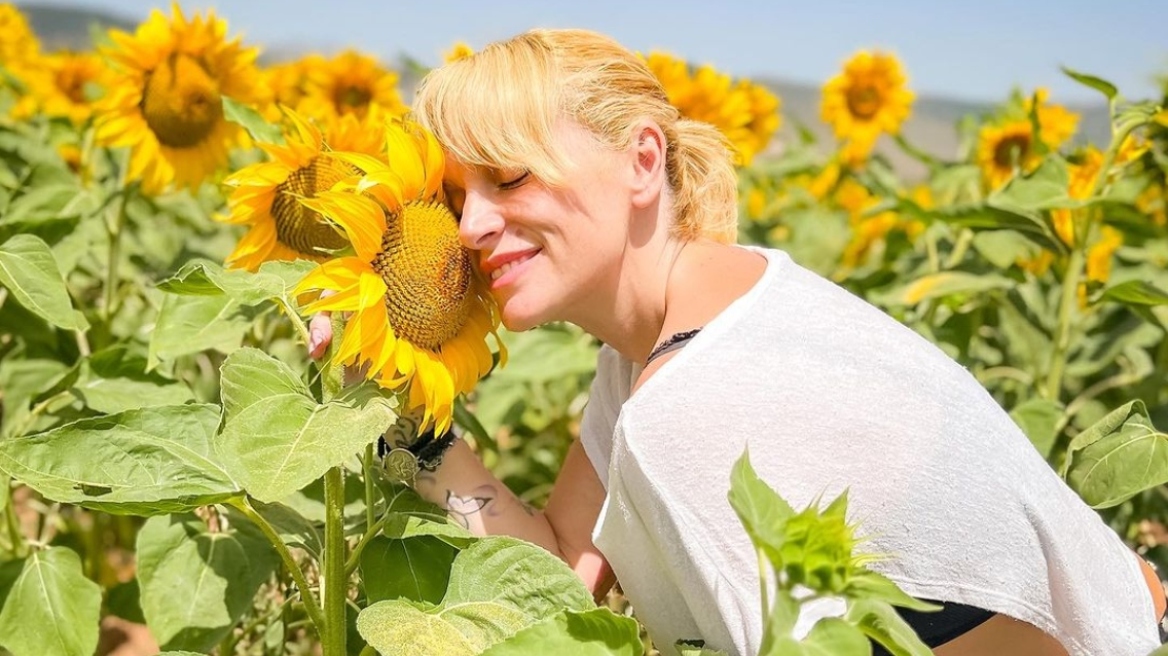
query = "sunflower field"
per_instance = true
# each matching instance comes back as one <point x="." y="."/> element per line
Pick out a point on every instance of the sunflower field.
<point x="186" y="467"/>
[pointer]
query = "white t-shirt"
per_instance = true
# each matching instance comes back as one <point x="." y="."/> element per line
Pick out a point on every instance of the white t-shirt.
<point x="831" y="393"/>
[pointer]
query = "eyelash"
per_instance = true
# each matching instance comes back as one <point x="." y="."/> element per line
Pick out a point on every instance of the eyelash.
<point x="511" y="184"/>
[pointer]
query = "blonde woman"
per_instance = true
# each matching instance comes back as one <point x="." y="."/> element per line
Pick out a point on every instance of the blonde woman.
<point x="585" y="198"/>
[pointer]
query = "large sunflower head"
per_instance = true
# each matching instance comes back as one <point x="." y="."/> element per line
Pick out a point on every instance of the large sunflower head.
<point x="419" y="314"/>
<point x="866" y="99"/>
<point x="167" y="102"/>
<point x="62" y="84"/>
<point x="747" y="113"/>
<point x="350" y="83"/>
<point x="17" y="41"/>
<point x="268" y="196"/>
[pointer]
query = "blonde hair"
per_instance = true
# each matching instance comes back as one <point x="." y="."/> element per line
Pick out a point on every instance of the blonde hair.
<point x="498" y="108"/>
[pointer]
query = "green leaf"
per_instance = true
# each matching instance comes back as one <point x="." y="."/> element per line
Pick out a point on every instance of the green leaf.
<point x="294" y="529"/>
<point x="517" y="573"/>
<point x="873" y="585"/>
<point x="1039" y="419"/>
<point x="1043" y="188"/>
<point x="1117" y="458"/>
<point x="832" y="636"/>
<point x="597" y="632"/>
<point x="779" y="623"/>
<point x="139" y="462"/>
<point x="416" y="569"/>
<point x="195" y="585"/>
<point x="250" y="119"/>
<point x="51" y="609"/>
<point x="113" y="395"/>
<point x="276" y="438"/>
<point x="1099" y="84"/>
<point x="761" y="510"/>
<point x="402" y="627"/>
<point x="988" y="217"/>
<point x="946" y="283"/>
<point x="192" y="324"/>
<point x="880" y="622"/>
<point x="274" y="280"/>
<point x="497" y="587"/>
<point x="1003" y="248"/>
<point x="1136" y="292"/>
<point x="29" y="271"/>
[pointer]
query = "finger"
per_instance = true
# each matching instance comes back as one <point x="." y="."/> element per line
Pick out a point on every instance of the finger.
<point x="320" y="334"/>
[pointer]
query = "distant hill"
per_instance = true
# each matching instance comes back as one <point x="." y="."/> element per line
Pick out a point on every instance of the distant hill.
<point x="932" y="126"/>
<point x="68" y="28"/>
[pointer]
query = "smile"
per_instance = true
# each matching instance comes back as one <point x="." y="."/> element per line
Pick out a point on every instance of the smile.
<point x="502" y="270"/>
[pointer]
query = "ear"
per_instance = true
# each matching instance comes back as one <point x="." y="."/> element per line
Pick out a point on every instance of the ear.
<point x="648" y="176"/>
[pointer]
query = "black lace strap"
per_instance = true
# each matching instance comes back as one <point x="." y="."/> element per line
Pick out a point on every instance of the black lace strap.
<point x="676" y="341"/>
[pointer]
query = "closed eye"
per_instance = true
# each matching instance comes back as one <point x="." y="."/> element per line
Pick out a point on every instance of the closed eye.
<point x="516" y="182"/>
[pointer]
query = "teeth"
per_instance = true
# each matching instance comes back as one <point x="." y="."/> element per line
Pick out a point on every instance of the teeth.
<point x="498" y="273"/>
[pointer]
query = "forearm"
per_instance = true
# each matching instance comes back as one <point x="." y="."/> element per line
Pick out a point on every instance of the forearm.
<point x="474" y="498"/>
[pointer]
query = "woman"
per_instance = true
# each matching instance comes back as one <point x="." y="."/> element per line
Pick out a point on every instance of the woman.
<point x="585" y="198"/>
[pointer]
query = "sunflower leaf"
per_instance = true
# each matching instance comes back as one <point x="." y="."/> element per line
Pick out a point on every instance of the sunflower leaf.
<point x="216" y="575"/>
<point x="277" y="438"/>
<point x="1099" y="84"/>
<point x="140" y="462"/>
<point x="51" y="608"/>
<point x="29" y="271"/>
<point x="250" y="120"/>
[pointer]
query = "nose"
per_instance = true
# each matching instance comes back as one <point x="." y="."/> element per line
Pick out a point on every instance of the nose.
<point x="481" y="223"/>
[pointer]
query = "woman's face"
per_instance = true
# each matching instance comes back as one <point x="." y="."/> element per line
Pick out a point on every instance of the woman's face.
<point x="548" y="253"/>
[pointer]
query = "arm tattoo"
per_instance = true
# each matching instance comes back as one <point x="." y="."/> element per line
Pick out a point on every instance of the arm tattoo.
<point x="461" y="508"/>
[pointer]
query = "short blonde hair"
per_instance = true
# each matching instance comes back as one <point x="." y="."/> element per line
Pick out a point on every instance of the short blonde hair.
<point x="498" y="109"/>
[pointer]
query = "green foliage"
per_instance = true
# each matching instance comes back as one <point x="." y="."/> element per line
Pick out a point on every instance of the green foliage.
<point x="195" y="584"/>
<point x="277" y="438"/>
<point x="51" y="608"/>
<point x="29" y="271"/>
<point x="1118" y="457"/>
<point x="816" y="550"/>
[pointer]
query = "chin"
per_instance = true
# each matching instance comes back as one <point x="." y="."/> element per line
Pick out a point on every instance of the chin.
<point x="518" y="317"/>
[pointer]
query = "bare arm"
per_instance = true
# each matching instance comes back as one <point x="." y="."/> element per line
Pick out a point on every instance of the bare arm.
<point x="474" y="498"/>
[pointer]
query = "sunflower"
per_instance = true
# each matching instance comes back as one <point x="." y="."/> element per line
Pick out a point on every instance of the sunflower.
<point x="17" y="41"/>
<point x="1007" y="144"/>
<point x="267" y="196"/>
<point x="1001" y="148"/>
<point x="420" y="315"/>
<point x="61" y="85"/>
<point x="1056" y="123"/>
<point x="1081" y="184"/>
<point x="870" y="229"/>
<point x="460" y="50"/>
<point x="865" y="100"/>
<point x="350" y="83"/>
<point x="167" y="102"/>
<point x="745" y="112"/>
<point x="285" y="84"/>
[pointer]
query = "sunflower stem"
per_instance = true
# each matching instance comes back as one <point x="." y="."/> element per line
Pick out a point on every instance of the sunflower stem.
<point x="115" y="250"/>
<point x="333" y="578"/>
<point x="297" y="321"/>
<point x="367" y="474"/>
<point x="1058" y="358"/>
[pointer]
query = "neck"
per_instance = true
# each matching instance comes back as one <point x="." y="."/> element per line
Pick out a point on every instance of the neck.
<point x="631" y="319"/>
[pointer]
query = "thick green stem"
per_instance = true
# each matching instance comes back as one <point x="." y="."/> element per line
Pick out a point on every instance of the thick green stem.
<point x="370" y="493"/>
<point x="310" y="604"/>
<point x="333" y="578"/>
<point x="1062" y="340"/>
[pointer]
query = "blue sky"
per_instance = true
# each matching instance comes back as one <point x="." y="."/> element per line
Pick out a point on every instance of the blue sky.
<point x="966" y="50"/>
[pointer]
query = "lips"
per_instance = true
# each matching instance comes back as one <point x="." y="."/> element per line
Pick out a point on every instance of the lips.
<point x="498" y="265"/>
